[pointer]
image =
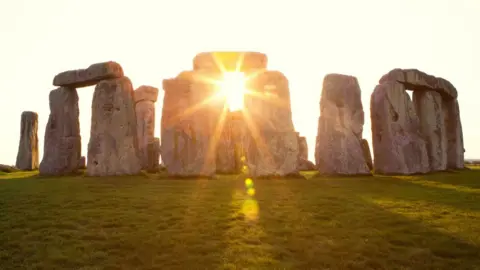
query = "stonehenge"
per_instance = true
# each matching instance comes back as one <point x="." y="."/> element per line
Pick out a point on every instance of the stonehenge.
<point x="418" y="136"/>
<point x="27" y="156"/>
<point x="202" y="135"/>
<point x="338" y="149"/>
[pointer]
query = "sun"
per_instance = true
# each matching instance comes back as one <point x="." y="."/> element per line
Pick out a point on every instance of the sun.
<point x="232" y="87"/>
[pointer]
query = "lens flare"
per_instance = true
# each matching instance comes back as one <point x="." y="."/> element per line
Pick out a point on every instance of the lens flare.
<point x="232" y="87"/>
<point x="250" y="209"/>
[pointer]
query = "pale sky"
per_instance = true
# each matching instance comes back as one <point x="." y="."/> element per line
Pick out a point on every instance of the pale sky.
<point x="157" y="39"/>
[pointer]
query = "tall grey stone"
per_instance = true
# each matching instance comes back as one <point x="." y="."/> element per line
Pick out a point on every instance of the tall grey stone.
<point x="455" y="144"/>
<point x="338" y="149"/>
<point x="62" y="145"/>
<point x="429" y="108"/>
<point x="145" y="98"/>
<point x="27" y="156"/>
<point x="230" y="152"/>
<point x="398" y="143"/>
<point x="113" y="145"/>
<point x="272" y="143"/>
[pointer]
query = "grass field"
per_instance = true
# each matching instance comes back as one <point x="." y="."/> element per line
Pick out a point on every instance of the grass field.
<point x="146" y="222"/>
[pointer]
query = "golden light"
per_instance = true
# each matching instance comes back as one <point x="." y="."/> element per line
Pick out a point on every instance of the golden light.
<point x="232" y="87"/>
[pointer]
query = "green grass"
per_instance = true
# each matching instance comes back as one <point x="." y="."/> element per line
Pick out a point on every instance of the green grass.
<point x="145" y="222"/>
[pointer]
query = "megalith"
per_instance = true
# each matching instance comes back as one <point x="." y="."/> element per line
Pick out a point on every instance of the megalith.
<point x="229" y="61"/>
<point x="367" y="154"/>
<point x="272" y="143"/>
<point x="338" y="149"/>
<point x="145" y="98"/>
<point x="27" y="156"/>
<point x="230" y="150"/>
<point x="189" y="125"/>
<point x="62" y="143"/>
<point x="398" y="143"/>
<point x="153" y="156"/>
<point x="435" y="116"/>
<point x="89" y="76"/>
<point x="303" y="163"/>
<point x="113" y="145"/>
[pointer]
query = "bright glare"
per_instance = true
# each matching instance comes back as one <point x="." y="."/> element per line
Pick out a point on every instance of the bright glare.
<point x="232" y="88"/>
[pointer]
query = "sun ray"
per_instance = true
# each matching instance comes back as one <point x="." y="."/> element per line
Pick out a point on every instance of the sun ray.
<point x="255" y="134"/>
<point x="212" y="146"/>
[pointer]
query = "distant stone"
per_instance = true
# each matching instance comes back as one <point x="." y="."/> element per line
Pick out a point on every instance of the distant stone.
<point x="146" y="93"/>
<point x="27" y="156"/>
<point x="145" y="97"/>
<point x="302" y="147"/>
<point x="398" y="143"/>
<point x="89" y="76"/>
<point x="62" y="145"/>
<point x="367" y="154"/>
<point x="8" y="169"/>
<point x="81" y="163"/>
<point x="230" y="61"/>
<point x="429" y="108"/>
<point x="416" y="80"/>
<point x="306" y="165"/>
<point x="153" y="155"/>
<point x="338" y="149"/>
<point x="113" y="146"/>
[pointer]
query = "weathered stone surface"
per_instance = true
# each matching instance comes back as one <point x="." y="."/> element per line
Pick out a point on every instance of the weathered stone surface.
<point x="453" y="126"/>
<point x="428" y="106"/>
<point x="189" y="124"/>
<point x="89" y="76"/>
<point x="302" y="147"/>
<point x="113" y="146"/>
<point x="367" y="154"/>
<point x="146" y="93"/>
<point x="153" y="151"/>
<point x="272" y="145"/>
<point x="398" y="144"/>
<point x="82" y="163"/>
<point x="62" y="145"/>
<point x="145" y="97"/>
<point x="229" y="61"/>
<point x="27" y="156"/>
<point x="272" y="153"/>
<point x="414" y="79"/>
<point x="230" y="148"/>
<point x="338" y="149"/>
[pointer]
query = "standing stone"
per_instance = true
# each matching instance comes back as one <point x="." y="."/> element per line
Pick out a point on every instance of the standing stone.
<point x="272" y="143"/>
<point x="62" y="145"/>
<point x="82" y="163"/>
<point x="113" y="146"/>
<point x="338" y="150"/>
<point x="453" y="125"/>
<point x="153" y="152"/>
<point x="367" y="154"/>
<point x="303" y="163"/>
<point x="145" y="98"/>
<point x="190" y="130"/>
<point x="428" y="105"/>
<point x="230" y="145"/>
<point x="398" y="144"/>
<point x="27" y="157"/>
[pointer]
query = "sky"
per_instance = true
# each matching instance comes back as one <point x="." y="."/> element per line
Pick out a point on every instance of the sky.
<point x="305" y="39"/>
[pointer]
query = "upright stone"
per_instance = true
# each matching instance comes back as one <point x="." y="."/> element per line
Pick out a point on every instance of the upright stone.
<point x="398" y="143"/>
<point x="272" y="143"/>
<point x="153" y="153"/>
<point x="453" y="125"/>
<point x="303" y="163"/>
<point x="230" y="144"/>
<point x="62" y="145"/>
<point x="367" y="154"/>
<point x="27" y="157"/>
<point x="113" y="146"/>
<point x="338" y="150"/>
<point x="429" y="108"/>
<point x="145" y="98"/>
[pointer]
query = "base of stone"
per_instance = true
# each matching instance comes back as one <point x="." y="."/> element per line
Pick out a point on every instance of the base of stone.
<point x="340" y="175"/>
<point x="296" y="175"/>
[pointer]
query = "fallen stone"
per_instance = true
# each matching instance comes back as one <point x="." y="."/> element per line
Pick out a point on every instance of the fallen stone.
<point x="416" y="80"/>
<point x="62" y="144"/>
<point x="453" y="126"/>
<point x="338" y="149"/>
<point x="305" y="165"/>
<point x="27" y="156"/>
<point x="113" y="145"/>
<point x="145" y="97"/>
<point x="428" y="106"/>
<point x="8" y="169"/>
<point x="398" y="144"/>
<point x="89" y="76"/>
<point x="229" y="61"/>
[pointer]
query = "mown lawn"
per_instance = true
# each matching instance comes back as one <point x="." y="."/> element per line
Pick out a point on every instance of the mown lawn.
<point x="147" y="222"/>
